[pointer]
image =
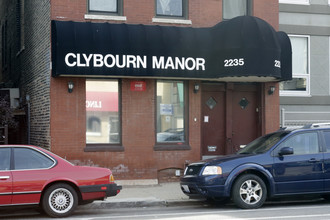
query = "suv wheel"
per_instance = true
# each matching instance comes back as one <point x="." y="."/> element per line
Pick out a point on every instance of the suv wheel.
<point x="249" y="192"/>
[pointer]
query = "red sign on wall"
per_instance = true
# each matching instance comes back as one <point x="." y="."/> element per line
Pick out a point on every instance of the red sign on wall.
<point x="138" y="86"/>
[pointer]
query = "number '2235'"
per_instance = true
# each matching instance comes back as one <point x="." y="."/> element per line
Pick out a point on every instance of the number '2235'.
<point x="234" y="62"/>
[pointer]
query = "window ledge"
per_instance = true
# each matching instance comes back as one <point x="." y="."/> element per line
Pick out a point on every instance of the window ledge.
<point x="174" y="147"/>
<point x="105" y="17"/>
<point x="171" y="21"/>
<point x="103" y="148"/>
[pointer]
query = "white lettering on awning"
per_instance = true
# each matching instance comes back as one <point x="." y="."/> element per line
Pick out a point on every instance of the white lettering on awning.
<point x="133" y="61"/>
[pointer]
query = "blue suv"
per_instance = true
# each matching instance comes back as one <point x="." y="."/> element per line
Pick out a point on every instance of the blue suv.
<point x="286" y="162"/>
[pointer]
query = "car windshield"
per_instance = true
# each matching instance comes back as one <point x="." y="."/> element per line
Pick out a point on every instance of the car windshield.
<point x="263" y="144"/>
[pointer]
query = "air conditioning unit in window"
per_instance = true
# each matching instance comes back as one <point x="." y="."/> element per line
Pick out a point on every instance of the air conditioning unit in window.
<point x="13" y="94"/>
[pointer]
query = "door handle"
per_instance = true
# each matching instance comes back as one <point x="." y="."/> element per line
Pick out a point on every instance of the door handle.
<point x="4" y="177"/>
<point x="313" y="160"/>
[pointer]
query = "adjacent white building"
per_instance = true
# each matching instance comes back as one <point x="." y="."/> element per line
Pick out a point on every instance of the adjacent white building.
<point x="306" y="98"/>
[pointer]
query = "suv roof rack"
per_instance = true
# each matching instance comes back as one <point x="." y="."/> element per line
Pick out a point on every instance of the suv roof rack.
<point x="317" y="125"/>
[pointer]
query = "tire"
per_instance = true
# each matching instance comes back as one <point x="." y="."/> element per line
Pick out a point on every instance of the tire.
<point x="249" y="192"/>
<point x="59" y="200"/>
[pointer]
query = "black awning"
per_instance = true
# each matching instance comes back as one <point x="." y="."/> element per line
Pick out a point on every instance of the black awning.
<point x="245" y="48"/>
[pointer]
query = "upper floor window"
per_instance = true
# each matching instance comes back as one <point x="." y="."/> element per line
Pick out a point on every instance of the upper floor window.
<point x="4" y="49"/>
<point x="234" y="8"/>
<point x="105" y="7"/>
<point x="20" y="25"/>
<point x="172" y="8"/>
<point x="300" y="83"/>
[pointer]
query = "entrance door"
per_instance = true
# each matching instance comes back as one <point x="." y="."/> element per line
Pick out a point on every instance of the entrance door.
<point x="230" y="117"/>
<point x="213" y="119"/>
<point x="245" y="119"/>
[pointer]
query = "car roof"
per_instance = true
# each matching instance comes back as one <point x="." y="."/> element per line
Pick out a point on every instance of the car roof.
<point x="325" y="126"/>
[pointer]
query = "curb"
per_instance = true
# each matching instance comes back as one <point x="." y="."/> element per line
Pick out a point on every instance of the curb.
<point x="141" y="203"/>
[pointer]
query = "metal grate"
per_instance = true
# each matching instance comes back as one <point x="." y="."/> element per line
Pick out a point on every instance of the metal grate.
<point x="193" y="169"/>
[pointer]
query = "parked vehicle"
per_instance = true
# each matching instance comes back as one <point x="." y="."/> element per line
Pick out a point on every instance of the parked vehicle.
<point x="286" y="162"/>
<point x="31" y="175"/>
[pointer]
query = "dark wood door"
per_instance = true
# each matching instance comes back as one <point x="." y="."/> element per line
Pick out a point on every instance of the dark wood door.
<point x="245" y="115"/>
<point x="213" y="119"/>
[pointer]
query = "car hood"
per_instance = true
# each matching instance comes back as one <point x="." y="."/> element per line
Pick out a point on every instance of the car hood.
<point x="222" y="159"/>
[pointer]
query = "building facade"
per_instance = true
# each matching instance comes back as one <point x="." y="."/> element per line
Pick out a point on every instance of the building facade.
<point x="306" y="98"/>
<point x="127" y="84"/>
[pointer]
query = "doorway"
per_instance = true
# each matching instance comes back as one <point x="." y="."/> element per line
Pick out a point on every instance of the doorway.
<point x="230" y="117"/>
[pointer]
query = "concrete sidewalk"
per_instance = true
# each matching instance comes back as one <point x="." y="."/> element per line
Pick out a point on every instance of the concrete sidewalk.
<point x="163" y="194"/>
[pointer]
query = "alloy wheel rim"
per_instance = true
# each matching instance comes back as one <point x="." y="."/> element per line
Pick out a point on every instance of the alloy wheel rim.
<point x="61" y="200"/>
<point x="251" y="192"/>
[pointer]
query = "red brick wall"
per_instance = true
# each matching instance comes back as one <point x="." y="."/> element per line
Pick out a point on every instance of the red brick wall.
<point x="139" y="159"/>
<point x="138" y="131"/>
<point x="267" y="10"/>
<point x="271" y="112"/>
<point x="204" y="13"/>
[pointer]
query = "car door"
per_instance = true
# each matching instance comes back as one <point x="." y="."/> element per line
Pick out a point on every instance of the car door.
<point x="302" y="171"/>
<point x="5" y="176"/>
<point x="31" y="171"/>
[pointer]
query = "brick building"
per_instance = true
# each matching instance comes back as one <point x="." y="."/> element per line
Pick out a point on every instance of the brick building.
<point x="97" y="97"/>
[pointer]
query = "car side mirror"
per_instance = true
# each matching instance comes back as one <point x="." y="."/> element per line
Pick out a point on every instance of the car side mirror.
<point x="285" y="151"/>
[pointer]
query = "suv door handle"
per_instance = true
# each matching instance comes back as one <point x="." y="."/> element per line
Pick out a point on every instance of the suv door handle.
<point x="313" y="160"/>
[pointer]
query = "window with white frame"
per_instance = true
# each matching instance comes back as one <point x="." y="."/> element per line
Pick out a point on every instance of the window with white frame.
<point x="105" y="7"/>
<point x="234" y="8"/>
<point x="298" y="2"/>
<point x="300" y="83"/>
<point x="172" y="8"/>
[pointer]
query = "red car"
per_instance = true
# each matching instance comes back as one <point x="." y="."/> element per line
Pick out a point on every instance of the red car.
<point x="31" y="175"/>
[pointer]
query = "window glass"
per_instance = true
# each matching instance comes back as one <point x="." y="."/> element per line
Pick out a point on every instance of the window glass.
<point x="263" y="144"/>
<point x="305" y="143"/>
<point x="102" y="115"/>
<point x="234" y="8"/>
<point x="327" y="140"/>
<point x="303" y="2"/>
<point x="4" y="49"/>
<point x="170" y="111"/>
<point x="103" y="6"/>
<point x="170" y="8"/>
<point x="25" y="159"/>
<point x="20" y="24"/>
<point x="4" y="159"/>
<point x="299" y="85"/>
<point x="299" y="54"/>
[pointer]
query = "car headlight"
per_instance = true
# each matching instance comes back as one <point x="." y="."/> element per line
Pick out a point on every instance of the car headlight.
<point x="212" y="170"/>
